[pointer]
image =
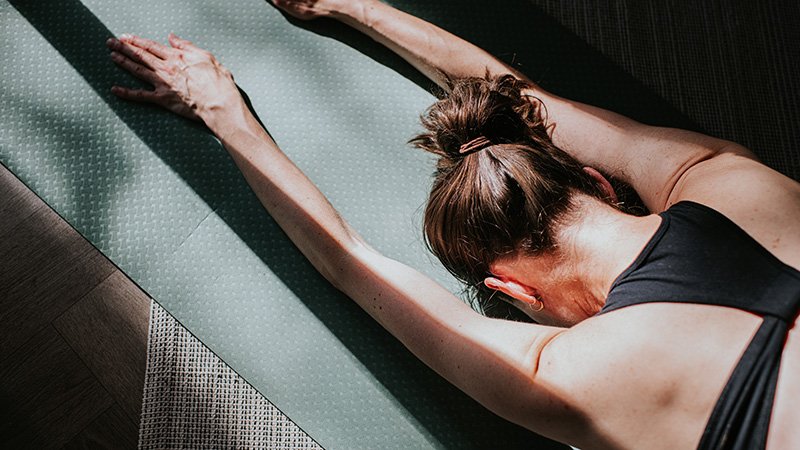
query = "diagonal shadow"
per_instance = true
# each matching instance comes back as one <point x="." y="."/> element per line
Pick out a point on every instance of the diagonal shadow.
<point x="80" y="38"/>
<point x="561" y="62"/>
<point x="523" y="36"/>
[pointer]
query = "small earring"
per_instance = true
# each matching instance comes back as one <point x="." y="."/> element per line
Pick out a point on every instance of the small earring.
<point x="541" y="305"/>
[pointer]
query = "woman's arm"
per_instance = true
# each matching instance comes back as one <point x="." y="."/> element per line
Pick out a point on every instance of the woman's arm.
<point x="494" y="361"/>
<point x="433" y="51"/>
<point x="653" y="160"/>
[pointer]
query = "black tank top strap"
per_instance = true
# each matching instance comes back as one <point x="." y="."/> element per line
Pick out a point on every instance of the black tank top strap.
<point x="699" y="256"/>
<point x="740" y="419"/>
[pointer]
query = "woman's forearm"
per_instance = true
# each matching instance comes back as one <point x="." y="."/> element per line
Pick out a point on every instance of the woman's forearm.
<point x="492" y="360"/>
<point x="432" y="50"/>
<point x="650" y="159"/>
<point x="295" y="203"/>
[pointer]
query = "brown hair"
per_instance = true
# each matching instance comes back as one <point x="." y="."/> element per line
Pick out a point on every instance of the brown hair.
<point x="503" y="198"/>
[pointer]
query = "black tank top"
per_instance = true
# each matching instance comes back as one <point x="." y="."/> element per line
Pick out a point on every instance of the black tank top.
<point x="699" y="256"/>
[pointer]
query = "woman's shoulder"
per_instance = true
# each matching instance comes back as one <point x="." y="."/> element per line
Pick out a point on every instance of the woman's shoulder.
<point x="636" y="369"/>
<point x="761" y="201"/>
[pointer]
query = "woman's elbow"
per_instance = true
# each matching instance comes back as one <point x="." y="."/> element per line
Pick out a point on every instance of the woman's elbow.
<point x="342" y="269"/>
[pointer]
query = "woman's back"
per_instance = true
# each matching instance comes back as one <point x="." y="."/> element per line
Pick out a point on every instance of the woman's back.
<point x="671" y="361"/>
<point x="766" y="205"/>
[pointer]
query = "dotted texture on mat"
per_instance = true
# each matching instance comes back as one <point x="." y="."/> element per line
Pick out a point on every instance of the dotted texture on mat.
<point x="159" y="196"/>
<point x="194" y="400"/>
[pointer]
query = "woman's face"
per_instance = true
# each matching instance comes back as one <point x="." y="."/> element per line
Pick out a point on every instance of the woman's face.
<point x="548" y="279"/>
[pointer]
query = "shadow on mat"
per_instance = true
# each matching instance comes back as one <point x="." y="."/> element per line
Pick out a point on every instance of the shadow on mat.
<point x="560" y="62"/>
<point x="526" y="38"/>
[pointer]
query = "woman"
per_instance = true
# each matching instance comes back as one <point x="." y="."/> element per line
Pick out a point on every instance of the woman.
<point x="661" y="308"/>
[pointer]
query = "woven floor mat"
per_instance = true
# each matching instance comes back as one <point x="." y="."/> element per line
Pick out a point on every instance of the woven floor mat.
<point x="194" y="400"/>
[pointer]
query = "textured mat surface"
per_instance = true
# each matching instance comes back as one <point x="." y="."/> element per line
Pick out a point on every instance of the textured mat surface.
<point x="194" y="400"/>
<point x="158" y="195"/>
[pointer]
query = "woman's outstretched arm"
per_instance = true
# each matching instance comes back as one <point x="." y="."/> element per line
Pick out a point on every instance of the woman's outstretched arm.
<point x="494" y="361"/>
<point x="655" y="161"/>
<point x="433" y="51"/>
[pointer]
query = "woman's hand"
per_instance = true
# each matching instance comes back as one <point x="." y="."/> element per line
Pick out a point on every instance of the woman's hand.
<point x="311" y="9"/>
<point x="188" y="81"/>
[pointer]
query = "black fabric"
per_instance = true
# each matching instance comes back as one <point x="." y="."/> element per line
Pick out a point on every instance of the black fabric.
<point x="730" y="66"/>
<point x="740" y="419"/>
<point x="698" y="256"/>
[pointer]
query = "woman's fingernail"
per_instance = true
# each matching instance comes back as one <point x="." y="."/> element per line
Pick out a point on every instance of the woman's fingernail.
<point x="116" y="56"/>
<point x="125" y="36"/>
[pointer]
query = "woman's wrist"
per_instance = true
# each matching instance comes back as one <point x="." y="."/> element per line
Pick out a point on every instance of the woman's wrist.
<point x="225" y="116"/>
<point x="352" y="12"/>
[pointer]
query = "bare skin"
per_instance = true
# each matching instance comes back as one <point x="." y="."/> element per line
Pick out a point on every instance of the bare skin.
<point x="612" y="381"/>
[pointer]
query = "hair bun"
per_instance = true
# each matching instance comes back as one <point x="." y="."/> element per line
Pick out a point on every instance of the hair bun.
<point x="474" y="145"/>
<point x="477" y="110"/>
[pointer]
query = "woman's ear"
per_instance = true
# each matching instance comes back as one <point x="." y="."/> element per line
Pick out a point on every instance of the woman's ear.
<point x="603" y="182"/>
<point x="512" y="288"/>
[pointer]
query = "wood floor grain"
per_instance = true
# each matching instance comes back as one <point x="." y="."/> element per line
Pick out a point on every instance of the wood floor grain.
<point x="116" y="315"/>
<point x="112" y="430"/>
<point x="47" y="267"/>
<point x="48" y="394"/>
<point x="16" y="203"/>
<point x="73" y="334"/>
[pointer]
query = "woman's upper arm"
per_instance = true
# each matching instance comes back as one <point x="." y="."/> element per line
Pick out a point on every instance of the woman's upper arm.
<point x="650" y="159"/>
<point x="494" y="361"/>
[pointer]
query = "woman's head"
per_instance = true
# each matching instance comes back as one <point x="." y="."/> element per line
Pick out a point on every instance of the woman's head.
<point x="501" y="186"/>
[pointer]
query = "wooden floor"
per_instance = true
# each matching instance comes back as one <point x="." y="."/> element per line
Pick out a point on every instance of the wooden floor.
<point x="73" y="334"/>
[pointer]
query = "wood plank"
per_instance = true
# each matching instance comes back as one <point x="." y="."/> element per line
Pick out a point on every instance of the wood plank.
<point x="46" y="266"/>
<point x="108" y="330"/>
<point x="17" y="202"/>
<point x="113" y="430"/>
<point x="48" y="394"/>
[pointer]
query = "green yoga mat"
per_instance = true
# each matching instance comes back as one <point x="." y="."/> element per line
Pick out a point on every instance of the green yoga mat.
<point x="159" y="196"/>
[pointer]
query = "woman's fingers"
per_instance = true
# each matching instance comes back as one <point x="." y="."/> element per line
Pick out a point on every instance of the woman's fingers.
<point x="153" y="47"/>
<point x="186" y="79"/>
<point x="159" y="97"/>
<point x="301" y="9"/>
<point x="138" y="70"/>
<point x="178" y="43"/>
<point x="139" y="95"/>
<point x="138" y="54"/>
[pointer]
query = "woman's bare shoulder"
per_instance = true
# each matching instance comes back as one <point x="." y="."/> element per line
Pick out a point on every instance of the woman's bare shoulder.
<point x="760" y="200"/>
<point x="601" y="369"/>
<point x="632" y="373"/>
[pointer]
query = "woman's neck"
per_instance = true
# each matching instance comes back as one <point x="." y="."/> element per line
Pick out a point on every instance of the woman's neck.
<point x="601" y="242"/>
